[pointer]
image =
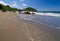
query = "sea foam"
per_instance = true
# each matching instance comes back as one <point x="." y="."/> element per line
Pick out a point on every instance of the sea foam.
<point x="49" y="14"/>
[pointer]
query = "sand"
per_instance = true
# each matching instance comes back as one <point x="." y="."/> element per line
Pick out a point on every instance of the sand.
<point x="12" y="28"/>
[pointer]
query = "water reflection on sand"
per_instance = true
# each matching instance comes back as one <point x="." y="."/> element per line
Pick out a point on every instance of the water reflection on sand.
<point x="50" y="20"/>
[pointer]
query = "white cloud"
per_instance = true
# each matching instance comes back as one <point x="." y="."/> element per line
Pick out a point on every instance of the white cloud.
<point x="22" y="0"/>
<point x="14" y="4"/>
<point x="24" y="4"/>
<point x="2" y="2"/>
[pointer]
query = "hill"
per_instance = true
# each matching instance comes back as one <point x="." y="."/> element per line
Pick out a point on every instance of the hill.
<point x="7" y="8"/>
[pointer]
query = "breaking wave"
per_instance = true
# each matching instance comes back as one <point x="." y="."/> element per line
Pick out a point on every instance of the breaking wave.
<point x="49" y="14"/>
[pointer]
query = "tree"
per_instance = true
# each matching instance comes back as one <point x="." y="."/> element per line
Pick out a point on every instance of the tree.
<point x="1" y="6"/>
<point x="29" y="9"/>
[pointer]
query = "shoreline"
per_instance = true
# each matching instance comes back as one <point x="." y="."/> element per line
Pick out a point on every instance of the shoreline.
<point x="38" y="30"/>
<point x="13" y="28"/>
<point x="25" y="17"/>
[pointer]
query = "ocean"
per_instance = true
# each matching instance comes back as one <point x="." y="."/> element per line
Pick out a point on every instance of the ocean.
<point x="49" y="18"/>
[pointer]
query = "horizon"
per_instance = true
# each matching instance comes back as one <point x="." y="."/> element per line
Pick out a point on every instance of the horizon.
<point x="40" y="5"/>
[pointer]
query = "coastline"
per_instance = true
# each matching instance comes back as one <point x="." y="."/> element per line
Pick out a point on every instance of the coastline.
<point x="13" y="28"/>
<point x="40" y="31"/>
<point x="44" y="19"/>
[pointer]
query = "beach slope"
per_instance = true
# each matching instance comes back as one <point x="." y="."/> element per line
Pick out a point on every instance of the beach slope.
<point x="13" y="28"/>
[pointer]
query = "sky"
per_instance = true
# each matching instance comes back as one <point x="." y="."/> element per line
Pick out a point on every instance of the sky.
<point x="40" y="5"/>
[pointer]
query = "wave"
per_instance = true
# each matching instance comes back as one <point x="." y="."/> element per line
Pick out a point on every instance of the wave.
<point x="49" y="14"/>
<point x="41" y="18"/>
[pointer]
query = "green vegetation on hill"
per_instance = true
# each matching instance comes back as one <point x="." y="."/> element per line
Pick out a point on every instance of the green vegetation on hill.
<point x="30" y="9"/>
<point x="1" y="6"/>
<point x="7" y="8"/>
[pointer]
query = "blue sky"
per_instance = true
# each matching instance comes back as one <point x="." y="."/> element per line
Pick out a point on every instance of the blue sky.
<point x="40" y="5"/>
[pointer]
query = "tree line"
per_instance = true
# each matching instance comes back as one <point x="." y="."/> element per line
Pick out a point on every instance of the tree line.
<point x="8" y="8"/>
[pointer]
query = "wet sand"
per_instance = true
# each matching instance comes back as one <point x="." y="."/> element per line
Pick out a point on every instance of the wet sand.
<point x="41" y="32"/>
<point x="12" y="28"/>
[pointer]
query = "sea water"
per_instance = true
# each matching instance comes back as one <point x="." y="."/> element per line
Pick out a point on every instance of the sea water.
<point x="47" y="18"/>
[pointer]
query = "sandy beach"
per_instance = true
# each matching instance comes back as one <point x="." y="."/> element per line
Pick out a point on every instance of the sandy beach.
<point x="12" y="28"/>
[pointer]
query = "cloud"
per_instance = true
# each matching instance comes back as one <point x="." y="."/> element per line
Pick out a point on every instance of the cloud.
<point x="14" y="4"/>
<point x="24" y="4"/>
<point x="2" y="2"/>
<point x="22" y="0"/>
